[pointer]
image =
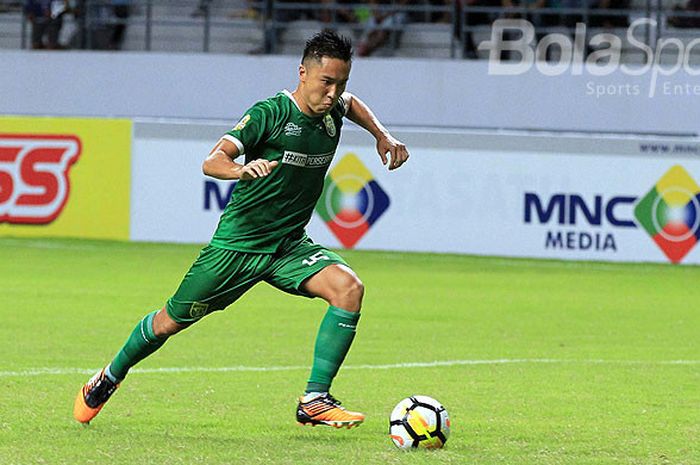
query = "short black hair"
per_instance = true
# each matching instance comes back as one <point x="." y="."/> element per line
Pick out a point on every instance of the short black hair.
<point x="328" y="43"/>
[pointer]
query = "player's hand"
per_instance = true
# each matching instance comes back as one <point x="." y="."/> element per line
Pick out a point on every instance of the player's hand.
<point x="398" y="152"/>
<point x="257" y="169"/>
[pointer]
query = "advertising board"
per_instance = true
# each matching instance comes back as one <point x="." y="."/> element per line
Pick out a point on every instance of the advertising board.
<point x="486" y="194"/>
<point x="65" y="177"/>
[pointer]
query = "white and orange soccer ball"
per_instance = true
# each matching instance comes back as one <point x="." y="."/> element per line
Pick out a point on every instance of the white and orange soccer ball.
<point x="419" y="422"/>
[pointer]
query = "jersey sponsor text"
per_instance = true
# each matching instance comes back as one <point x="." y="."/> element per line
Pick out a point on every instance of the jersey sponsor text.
<point x="307" y="161"/>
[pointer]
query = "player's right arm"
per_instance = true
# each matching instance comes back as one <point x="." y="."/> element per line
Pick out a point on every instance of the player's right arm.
<point x="220" y="164"/>
<point x="251" y="130"/>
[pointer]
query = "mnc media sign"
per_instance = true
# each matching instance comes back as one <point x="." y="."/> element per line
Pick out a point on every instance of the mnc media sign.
<point x="217" y="194"/>
<point x="669" y="213"/>
<point x="570" y="210"/>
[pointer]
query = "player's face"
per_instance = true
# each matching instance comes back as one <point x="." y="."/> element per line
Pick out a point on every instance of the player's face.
<point x="323" y="82"/>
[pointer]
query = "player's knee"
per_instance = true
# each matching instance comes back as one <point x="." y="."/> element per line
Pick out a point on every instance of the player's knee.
<point x="164" y="325"/>
<point x="357" y="290"/>
<point x="351" y="293"/>
<point x="167" y="329"/>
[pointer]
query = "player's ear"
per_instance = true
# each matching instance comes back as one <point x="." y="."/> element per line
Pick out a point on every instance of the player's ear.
<point x="302" y="73"/>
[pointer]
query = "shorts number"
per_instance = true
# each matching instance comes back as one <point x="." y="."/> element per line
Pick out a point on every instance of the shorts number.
<point x="315" y="258"/>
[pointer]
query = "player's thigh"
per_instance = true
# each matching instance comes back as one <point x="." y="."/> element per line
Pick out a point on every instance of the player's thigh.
<point x="216" y="279"/>
<point x="303" y="261"/>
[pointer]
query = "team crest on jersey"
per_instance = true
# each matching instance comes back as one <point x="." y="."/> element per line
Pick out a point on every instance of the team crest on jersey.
<point x="330" y="125"/>
<point x="292" y="129"/>
<point x="198" y="309"/>
<point x="241" y="124"/>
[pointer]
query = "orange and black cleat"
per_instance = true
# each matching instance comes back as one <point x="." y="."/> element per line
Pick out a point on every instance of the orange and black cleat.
<point x="324" y="409"/>
<point x="92" y="397"/>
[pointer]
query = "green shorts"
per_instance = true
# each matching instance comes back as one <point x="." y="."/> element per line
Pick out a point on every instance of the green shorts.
<point x="220" y="276"/>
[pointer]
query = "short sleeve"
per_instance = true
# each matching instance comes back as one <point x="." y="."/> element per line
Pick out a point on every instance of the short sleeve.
<point x="252" y="128"/>
<point x="344" y="101"/>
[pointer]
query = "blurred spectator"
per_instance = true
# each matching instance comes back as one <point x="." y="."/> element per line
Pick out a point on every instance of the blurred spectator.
<point x="543" y="20"/>
<point x="10" y="5"/>
<point x="351" y="11"/>
<point x="570" y="19"/>
<point x="693" y="6"/>
<point x="282" y="14"/>
<point x="467" y="19"/>
<point x="287" y="14"/>
<point x="383" y="24"/>
<point x="611" y="20"/>
<point x="202" y="8"/>
<point x="442" y="16"/>
<point x="251" y="11"/>
<point x="120" y="9"/>
<point x="540" y="20"/>
<point x="46" y="17"/>
<point x="531" y="14"/>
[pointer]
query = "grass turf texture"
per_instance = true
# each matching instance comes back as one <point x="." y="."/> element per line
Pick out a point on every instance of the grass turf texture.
<point x="604" y="395"/>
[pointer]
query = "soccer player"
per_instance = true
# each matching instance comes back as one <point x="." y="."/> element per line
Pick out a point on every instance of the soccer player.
<point x="288" y="141"/>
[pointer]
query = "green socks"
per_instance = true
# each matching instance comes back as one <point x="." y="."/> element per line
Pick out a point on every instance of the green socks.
<point x="333" y="341"/>
<point x="142" y="343"/>
<point x="332" y="344"/>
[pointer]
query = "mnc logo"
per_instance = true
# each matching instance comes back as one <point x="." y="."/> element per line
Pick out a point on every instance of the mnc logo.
<point x="352" y="200"/>
<point x="570" y="210"/>
<point x="670" y="213"/>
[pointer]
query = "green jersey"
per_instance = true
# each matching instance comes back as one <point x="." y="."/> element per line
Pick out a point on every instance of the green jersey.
<point x="263" y="212"/>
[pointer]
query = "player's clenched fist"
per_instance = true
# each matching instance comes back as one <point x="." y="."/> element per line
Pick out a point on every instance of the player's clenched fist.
<point x="257" y="169"/>
<point x="397" y="151"/>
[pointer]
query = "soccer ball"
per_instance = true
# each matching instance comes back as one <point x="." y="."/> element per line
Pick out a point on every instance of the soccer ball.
<point x="419" y="421"/>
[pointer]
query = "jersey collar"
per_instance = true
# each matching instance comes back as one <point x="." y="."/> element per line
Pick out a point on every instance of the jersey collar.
<point x="296" y="104"/>
<point x="291" y="97"/>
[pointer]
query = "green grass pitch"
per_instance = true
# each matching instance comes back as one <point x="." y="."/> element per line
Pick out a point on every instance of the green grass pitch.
<point x="537" y="362"/>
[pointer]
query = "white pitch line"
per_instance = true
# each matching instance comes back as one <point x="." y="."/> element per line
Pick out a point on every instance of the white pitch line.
<point x="434" y="364"/>
<point x="39" y="244"/>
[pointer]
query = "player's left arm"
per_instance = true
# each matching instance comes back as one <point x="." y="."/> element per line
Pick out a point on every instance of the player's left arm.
<point x="358" y="112"/>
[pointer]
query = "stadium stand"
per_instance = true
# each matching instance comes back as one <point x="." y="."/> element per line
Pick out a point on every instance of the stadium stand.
<point x="243" y="26"/>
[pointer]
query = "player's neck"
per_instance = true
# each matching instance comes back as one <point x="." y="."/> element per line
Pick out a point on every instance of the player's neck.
<point x="301" y="103"/>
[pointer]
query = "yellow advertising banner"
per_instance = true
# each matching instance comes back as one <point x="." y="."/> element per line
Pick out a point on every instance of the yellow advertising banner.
<point x="65" y="177"/>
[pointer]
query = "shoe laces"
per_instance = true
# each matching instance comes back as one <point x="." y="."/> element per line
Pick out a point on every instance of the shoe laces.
<point x="98" y="390"/>
<point x="332" y="399"/>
